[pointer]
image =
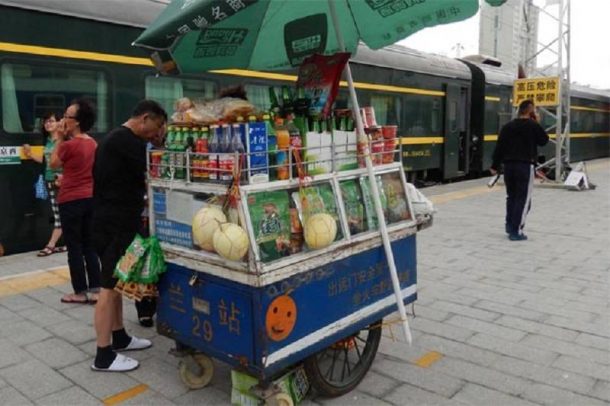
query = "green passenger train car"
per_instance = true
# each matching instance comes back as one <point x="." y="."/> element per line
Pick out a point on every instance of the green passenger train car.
<point x="51" y="51"/>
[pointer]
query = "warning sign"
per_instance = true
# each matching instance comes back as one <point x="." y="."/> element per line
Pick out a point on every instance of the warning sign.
<point x="542" y="91"/>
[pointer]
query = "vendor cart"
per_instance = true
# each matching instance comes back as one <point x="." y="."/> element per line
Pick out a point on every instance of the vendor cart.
<point x="322" y="309"/>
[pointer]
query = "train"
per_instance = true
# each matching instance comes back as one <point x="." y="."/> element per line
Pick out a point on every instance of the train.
<point x="448" y="111"/>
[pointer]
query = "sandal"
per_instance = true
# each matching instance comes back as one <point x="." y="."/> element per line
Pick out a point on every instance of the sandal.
<point x="74" y="298"/>
<point x="46" y="251"/>
<point x="93" y="298"/>
<point x="59" y="249"/>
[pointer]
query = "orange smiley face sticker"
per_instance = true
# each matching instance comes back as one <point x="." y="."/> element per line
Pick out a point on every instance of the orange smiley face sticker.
<point x="281" y="317"/>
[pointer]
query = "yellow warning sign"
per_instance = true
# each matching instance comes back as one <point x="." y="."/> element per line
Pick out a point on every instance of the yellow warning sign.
<point x="542" y="91"/>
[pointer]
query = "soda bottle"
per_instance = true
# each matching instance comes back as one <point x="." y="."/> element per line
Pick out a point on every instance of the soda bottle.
<point x="195" y="169"/>
<point x="225" y="160"/>
<point x="283" y="142"/>
<point x="287" y="104"/>
<point x="214" y="148"/>
<point x="165" y="158"/>
<point x="181" y="151"/>
<point x="204" y="150"/>
<point x="275" y="109"/>
<point x="295" y="142"/>
<point x="271" y="146"/>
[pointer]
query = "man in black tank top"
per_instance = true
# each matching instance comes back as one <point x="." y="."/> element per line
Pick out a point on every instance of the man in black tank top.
<point x="517" y="151"/>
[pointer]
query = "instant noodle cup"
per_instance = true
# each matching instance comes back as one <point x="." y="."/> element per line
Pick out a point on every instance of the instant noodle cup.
<point x="377" y="152"/>
<point x="388" y="150"/>
<point x="389" y="131"/>
<point x="205" y="224"/>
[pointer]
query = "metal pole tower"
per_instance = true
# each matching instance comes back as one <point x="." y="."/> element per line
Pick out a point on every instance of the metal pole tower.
<point x="558" y="11"/>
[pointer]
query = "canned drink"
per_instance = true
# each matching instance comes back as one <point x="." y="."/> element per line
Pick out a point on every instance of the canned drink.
<point x="155" y="164"/>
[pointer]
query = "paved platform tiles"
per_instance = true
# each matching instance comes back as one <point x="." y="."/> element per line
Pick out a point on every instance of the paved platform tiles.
<point x="497" y="322"/>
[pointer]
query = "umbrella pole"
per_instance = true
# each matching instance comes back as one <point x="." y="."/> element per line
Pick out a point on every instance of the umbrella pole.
<point x="374" y="188"/>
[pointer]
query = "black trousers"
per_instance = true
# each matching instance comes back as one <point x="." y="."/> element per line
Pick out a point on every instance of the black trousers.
<point x="519" y="181"/>
<point x="76" y="222"/>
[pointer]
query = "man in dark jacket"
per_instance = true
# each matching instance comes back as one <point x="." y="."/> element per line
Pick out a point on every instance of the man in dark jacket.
<point x="517" y="150"/>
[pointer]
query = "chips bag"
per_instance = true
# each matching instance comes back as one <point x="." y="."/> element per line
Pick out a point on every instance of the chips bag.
<point x="270" y="215"/>
<point x="154" y="263"/>
<point x="354" y="206"/>
<point x="369" y="204"/>
<point x="132" y="261"/>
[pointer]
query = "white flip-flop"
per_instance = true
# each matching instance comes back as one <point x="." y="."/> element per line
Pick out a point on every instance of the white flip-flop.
<point x="136" y="344"/>
<point x="120" y="364"/>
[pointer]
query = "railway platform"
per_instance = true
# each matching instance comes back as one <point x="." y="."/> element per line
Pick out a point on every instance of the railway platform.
<point x="497" y="322"/>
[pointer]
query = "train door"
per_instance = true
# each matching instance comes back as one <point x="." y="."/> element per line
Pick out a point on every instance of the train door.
<point x="456" y="142"/>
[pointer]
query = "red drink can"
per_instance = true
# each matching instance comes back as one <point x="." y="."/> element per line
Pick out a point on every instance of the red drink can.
<point x="155" y="164"/>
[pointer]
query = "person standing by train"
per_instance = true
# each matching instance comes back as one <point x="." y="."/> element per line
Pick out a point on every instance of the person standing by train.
<point x="517" y="151"/>
<point x="120" y="187"/>
<point x="75" y="152"/>
<point x="52" y="177"/>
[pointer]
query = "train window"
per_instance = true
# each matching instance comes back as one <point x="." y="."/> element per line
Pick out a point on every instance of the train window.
<point x="387" y="109"/>
<point x="422" y="115"/>
<point x="258" y="95"/>
<point x="30" y="91"/>
<point x="166" y="90"/>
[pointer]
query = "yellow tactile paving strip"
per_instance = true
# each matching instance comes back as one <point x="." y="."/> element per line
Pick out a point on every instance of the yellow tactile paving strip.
<point x="125" y="395"/>
<point x="17" y="284"/>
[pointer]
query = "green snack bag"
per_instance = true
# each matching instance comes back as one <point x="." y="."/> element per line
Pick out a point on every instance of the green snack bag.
<point x="397" y="206"/>
<point x="154" y="264"/>
<point x="270" y="216"/>
<point x="369" y="204"/>
<point x="128" y="267"/>
<point x="354" y="206"/>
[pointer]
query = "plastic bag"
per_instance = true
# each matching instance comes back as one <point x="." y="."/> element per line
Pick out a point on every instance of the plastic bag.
<point x="421" y="205"/>
<point x="40" y="190"/>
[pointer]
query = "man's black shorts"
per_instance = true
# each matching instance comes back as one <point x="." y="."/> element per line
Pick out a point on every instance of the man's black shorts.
<point x="111" y="246"/>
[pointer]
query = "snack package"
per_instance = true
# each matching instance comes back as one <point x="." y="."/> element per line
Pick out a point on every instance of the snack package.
<point x="128" y="267"/>
<point x="397" y="206"/>
<point x="369" y="204"/>
<point x="270" y="216"/>
<point x="319" y="76"/>
<point x="354" y="206"/>
<point x="154" y="263"/>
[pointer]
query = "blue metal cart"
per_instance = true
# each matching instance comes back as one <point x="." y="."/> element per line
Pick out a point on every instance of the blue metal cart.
<point x="323" y="308"/>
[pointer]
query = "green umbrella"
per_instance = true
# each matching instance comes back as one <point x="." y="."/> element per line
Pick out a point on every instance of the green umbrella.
<point x="201" y="35"/>
<point x="198" y="35"/>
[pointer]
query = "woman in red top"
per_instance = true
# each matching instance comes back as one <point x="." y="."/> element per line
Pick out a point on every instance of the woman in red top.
<point x="75" y="153"/>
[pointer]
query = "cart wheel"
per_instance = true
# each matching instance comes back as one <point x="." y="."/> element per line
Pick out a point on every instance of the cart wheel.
<point x="196" y="371"/>
<point x="339" y="368"/>
<point x="279" y="399"/>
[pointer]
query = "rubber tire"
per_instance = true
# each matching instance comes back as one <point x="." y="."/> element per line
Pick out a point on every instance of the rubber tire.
<point x="190" y="379"/>
<point x="279" y="399"/>
<point x="326" y="389"/>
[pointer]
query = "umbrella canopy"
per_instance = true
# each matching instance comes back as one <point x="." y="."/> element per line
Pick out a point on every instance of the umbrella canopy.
<point x="200" y="35"/>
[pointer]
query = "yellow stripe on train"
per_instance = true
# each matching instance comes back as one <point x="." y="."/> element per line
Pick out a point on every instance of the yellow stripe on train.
<point x="487" y="138"/>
